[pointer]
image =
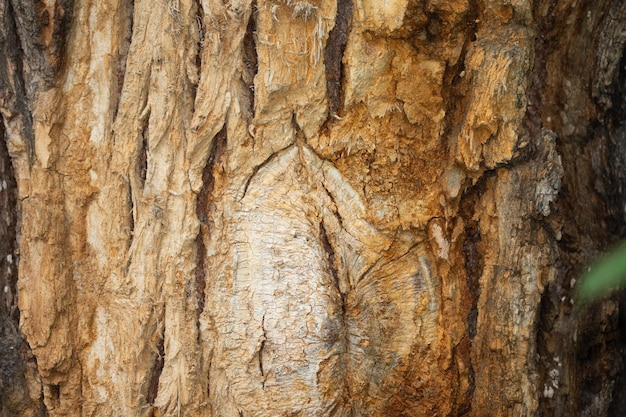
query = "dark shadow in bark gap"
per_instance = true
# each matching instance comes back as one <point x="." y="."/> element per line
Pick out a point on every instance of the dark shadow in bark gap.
<point x="126" y="33"/>
<point x="333" y="54"/>
<point x="55" y="392"/>
<point x="473" y="249"/>
<point x="201" y="32"/>
<point x="141" y="167"/>
<point x="9" y="218"/>
<point x="142" y="161"/>
<point x="155" y="373"/>
<point x="250" y="58"/>
<point x="203" y="203"/>
<point x="14" y="90"/>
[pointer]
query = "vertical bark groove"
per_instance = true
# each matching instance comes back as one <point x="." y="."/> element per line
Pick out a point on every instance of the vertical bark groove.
<point x="20" y="392"/>
<point x="333" y="54"/>
<point x="250" y="60"/>
<point x="204" y="212"/>
<point x="152" y="388"/>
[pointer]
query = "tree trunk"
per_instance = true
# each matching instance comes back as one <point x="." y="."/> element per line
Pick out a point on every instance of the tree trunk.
<point x="310" y="208"/>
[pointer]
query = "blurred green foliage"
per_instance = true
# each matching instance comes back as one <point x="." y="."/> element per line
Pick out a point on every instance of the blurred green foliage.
<point x="606" y="274"/>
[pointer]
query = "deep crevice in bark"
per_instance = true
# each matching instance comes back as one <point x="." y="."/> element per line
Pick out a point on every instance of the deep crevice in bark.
<point x="127" y="36"/>
<point x="55" y="392"/>
<point x="333" y="55"/>
<point x="15" y="354"/>
<point x="473" y="251"/>
<point x="335" y="210"/>
<point x="203" y="203"/>
<point x="142" y="158"/>
<point x="9" y="218"/>
<point x="201" y="32"/>
<point x="199" y="271"/>
<point x="343" y="334"/>
<point x="250" y="58"/>
<point x="157" y="368"/>
<point x="13" y="57"/>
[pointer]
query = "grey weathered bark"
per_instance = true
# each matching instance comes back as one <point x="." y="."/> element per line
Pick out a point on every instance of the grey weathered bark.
<point x="337" y="208"/>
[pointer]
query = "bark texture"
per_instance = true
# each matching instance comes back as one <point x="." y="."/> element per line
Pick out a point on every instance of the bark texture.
<point x="310" y="208"/>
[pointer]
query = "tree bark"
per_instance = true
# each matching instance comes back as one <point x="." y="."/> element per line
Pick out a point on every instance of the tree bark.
<point x="311" y="208"/>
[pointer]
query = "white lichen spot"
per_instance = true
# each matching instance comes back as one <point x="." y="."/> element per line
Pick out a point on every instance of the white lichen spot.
<point x="572" y="282"/>
<point x="554" y="378"/>
<point x="548" y="391"/>
<point x="9" y="258"/>
<point x="442" y="242"/>
<point x="548" y="119"/>
<point x="4" y="185"/>
<point x="6" y="289"/>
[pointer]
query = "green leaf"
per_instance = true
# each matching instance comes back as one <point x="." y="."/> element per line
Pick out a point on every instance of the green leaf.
<point x="607" y="273"/>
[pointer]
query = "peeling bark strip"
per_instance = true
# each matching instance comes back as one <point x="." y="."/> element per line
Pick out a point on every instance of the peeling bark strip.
<point x="200" y="238"/>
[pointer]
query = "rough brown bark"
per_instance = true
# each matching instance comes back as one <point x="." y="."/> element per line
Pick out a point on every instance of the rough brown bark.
<point x="337" y="208"/>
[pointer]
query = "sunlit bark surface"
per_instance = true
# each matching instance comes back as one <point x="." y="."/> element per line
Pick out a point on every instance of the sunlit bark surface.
<point x="310" y="208"/>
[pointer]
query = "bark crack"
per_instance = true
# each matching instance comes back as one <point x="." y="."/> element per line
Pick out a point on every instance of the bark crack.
<point x="257" y="168"/>
<point x="250" y="58"/>
<point x="343" y="335"/>
<point x="203" y="204"/>
<point x="201" y="32"/>
<point x="330" y="252"/>
<point x="157" y="368"/>
<point x="336" y="207"/>
<point x="142" y="157"/>
<point x="261" y="350"/>
<point x="333" y="55"/>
